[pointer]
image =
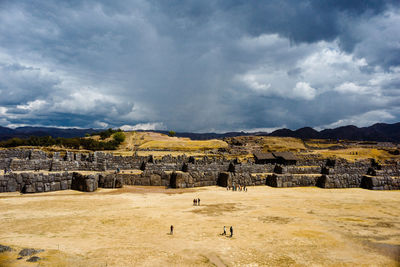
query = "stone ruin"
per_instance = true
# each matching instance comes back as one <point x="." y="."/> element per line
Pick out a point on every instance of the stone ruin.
<point x="32" y="171"/>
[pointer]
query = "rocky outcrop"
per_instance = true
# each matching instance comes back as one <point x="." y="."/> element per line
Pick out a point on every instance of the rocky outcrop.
<point x="5" y="248"/>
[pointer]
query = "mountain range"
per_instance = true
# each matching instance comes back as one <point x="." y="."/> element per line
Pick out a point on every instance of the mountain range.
<point x="25" y="132"/>
<point x="382" y="132"/>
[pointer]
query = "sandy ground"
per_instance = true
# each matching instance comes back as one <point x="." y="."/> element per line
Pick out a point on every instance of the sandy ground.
<point x="272" y="227"/>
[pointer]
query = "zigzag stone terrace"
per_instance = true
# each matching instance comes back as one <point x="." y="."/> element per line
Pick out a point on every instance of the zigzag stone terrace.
<point x="34" y="171"/>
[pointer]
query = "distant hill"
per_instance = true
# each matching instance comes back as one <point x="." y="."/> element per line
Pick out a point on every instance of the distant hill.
<point x="206" y="136"/>
<point x="382" y="132"/>
<point x="378" y="132"/>
<point x="25" y="132"/>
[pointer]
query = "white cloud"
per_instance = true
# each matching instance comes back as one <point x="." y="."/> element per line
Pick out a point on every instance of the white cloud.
<point x="327" y="67"/>
<point x="267" y="130"/>
<point x="101" y="124"/>
<point x="263" y="41"/>
<point x="33" y="105"/>
<point x="362" y="120"/>
<point x="84" y="100"/>
<point x="3" y="111"/>
<point x="304" y="90"/>
<point x="352" y="88"/>
<point x="3" y="120"/>
<point x="254" y="82"/>
<point x="144" y="126"/>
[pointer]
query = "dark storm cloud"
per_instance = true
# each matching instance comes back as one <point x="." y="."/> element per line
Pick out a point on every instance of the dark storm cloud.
<point x="300" y="21"/>
<point x="199" y="65"/>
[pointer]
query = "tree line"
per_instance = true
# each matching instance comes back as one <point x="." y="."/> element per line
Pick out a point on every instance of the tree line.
<point x="73" y="143"/>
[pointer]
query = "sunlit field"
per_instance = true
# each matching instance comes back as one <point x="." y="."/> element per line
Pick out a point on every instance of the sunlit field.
<point x="272" y="227"/>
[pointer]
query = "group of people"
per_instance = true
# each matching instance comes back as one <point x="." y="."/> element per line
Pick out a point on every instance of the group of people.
<point x="224" y="233"/>
<point x="196" y="202"/>
<point x="237" y="188"/>
<point x="230" y="230"/>
<point x="7" y="170"/>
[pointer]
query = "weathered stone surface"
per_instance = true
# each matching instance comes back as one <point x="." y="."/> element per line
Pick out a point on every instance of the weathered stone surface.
<point x="155" y="180"/>
<point x="198" y="172"/>
<point x="339" y="181"/>
<point x="64" y="185"/>
<point x="29" y="188"/>
<point x="29" y="251"/>
<point x="11" y="185"/>
<point x="47" y="187"/>
<point x="85" y="183"/>
<point x="5" y="248"/>
<point x="380" y="183"/>
<point x="34" y="259"/>
<point x="55" y="186"/>
<point x="291" y="180"/>
<point x="179" y="180"/>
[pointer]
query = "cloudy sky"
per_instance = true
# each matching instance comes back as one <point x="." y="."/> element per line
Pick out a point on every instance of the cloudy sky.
<point x="199" y="65"/>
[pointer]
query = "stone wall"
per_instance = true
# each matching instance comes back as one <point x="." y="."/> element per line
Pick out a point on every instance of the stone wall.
<point x="380" y="183"/>
<point x="35" y="182"/>
<point x="291" y="180"/>
<point x="181" y="172"/>
<point x="34" y="164"/>
<point x="339" y="181"/>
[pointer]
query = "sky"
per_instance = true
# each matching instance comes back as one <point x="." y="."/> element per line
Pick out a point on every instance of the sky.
<point x="199" y="66"/>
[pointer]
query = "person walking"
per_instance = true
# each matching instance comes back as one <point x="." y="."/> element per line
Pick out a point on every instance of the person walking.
<point x="198" y="201"/>
<point x="231" y="230"/>
<point x="172" y="230"/>
<point x="224" y="230"/>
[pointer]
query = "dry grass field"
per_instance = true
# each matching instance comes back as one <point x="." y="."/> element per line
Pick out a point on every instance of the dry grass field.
<point x="353" y="154"/>
<point x="271" y="144"/>
<point x="185" y="145"/>
<point x="272" y="227"/>
<point x="157" y="141"/>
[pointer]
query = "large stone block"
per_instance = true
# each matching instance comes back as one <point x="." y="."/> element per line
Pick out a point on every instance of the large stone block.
<point x="19" y="178"/>
<point x="50" y="178"/>
<point x="179" y="179"/>
<point x="86" y="183"/>
<point x="64" y="185"/>
<point x="57" y="177"/>
<point x="46" y="187"/>
<point x="11" y="185"/>
<point x="29" y="188"/>
<point x="112" y="180"/>
<point x="155" y="180"/>
<point x="55" y="186"/>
